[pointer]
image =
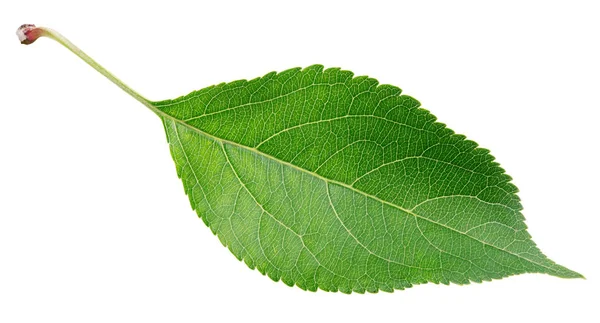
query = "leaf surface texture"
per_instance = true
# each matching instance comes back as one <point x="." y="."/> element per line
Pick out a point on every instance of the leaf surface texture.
<point x="324" y="180"/>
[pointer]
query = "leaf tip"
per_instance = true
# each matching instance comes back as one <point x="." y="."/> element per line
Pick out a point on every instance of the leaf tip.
<point x="29" y="33"/>
<point x="577" y="275"/>
<point x="564" y="272"/>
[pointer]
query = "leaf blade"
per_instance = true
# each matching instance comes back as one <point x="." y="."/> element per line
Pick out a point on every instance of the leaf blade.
<point x="310" y="124"/>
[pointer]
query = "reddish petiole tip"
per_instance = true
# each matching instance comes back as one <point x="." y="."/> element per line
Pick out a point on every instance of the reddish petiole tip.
<point x="29" y="33"/>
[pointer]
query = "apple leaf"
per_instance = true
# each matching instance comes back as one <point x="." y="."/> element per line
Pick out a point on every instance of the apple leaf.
<point x="328" y="181"/>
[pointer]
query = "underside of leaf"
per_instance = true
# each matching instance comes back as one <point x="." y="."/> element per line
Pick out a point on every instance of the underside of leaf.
<point x="328" y="181"/>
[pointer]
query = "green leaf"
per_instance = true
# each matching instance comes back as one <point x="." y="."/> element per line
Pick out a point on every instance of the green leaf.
<point x="324" y="180"/>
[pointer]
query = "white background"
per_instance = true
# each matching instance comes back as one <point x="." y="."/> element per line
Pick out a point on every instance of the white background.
<point x="94" y="224"/>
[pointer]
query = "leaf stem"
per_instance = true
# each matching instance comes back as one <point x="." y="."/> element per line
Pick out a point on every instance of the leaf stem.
<point x="30" y="33"/>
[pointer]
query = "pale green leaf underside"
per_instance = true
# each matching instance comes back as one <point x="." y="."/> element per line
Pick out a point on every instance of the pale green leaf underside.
<point x="327" y="181"/>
